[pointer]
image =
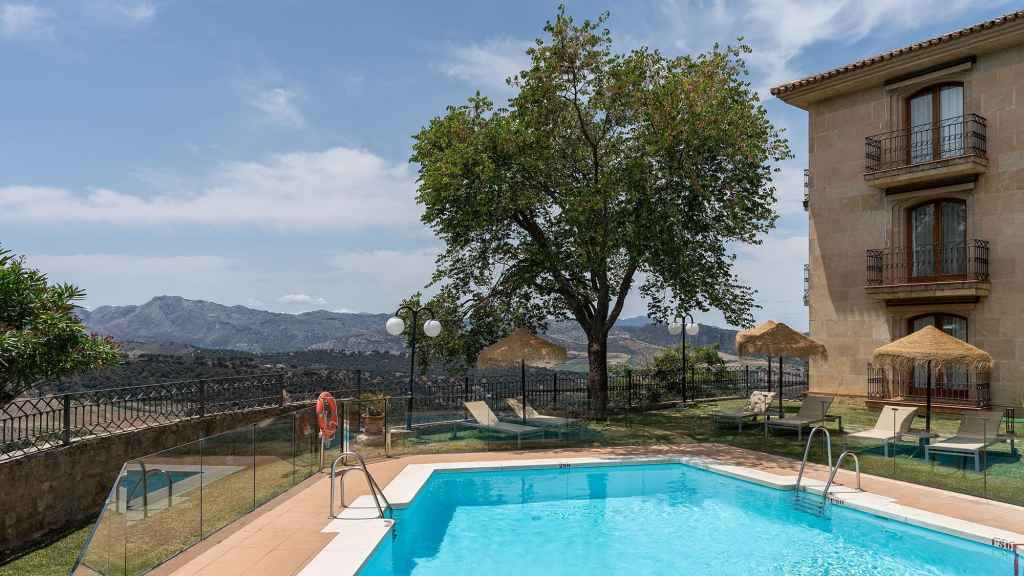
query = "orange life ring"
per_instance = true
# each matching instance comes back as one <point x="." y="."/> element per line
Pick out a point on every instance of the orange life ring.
<point x="328" y="423"/>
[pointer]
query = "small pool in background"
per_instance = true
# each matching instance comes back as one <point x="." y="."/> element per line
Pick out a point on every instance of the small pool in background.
<point x="652" y="519"/>
<point x="131" y="481"/>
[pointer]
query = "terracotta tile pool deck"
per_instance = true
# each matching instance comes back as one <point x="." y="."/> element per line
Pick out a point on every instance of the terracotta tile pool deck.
<point x="280" y="538"/>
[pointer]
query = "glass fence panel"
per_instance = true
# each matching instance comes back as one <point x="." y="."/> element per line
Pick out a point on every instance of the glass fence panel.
<point x="161" y="497"/>
<point x="104" y="552"/>
<point x="366" y="426"/>
<point x="228" y="478"/>
<point x="306" y="457"/>
<point x="274" y="465"/>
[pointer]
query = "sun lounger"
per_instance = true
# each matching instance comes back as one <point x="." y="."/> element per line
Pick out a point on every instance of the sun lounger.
<point x="892" y="424"/>
<point x="485" y="419"/>
<point x="978" y="431"/>
<point x="757" y="406"/>
<point x="534" y="418"/>
<point x="813" y="409"/>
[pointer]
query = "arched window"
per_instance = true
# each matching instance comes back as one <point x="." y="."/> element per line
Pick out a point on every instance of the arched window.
<point x="935" y="122"/>
<point x="952" y="324"/>
<point x="937" y="238"/>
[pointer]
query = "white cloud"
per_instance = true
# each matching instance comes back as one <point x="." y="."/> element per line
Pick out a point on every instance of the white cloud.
<point x="780" y="30"/>
<point x="339" y="189"/>
<point x="136" y="12"/>
<point x="122" y="12"/>
<point x="25" y="21"/>
<point x="486" y="66"/>
<point x="278" y="106"/>
<point x="305" y="299"/>
<point x="383" y="278"/>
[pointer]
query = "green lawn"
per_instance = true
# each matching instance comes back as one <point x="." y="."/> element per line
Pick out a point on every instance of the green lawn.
<point x="53" y="560"/>
<point x="1002" y="478"/>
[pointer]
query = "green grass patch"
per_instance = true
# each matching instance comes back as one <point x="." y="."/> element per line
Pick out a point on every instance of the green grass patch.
<point x="56" y="559"/>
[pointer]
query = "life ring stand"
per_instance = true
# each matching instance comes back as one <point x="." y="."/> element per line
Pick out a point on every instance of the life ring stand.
<point x="328" y="422"/>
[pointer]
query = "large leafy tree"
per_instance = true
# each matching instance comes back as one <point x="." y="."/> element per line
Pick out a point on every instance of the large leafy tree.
<point x="604" y="172"/>
<point x="40" y="335"/>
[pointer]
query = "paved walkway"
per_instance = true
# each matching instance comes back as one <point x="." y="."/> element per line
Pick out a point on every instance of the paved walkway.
<point x="282" y="537"/>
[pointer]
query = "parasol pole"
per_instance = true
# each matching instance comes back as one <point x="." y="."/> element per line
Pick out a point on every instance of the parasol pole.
<point x="782" y="412"/>
<point x="928" y="401"/>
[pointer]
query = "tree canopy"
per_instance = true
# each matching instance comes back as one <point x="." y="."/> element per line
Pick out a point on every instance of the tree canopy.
<point x="40" y="335"/>
<point x="604" y="172"/>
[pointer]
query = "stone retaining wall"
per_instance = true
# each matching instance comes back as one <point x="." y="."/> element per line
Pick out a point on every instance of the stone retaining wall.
<point x="46" y="494"/>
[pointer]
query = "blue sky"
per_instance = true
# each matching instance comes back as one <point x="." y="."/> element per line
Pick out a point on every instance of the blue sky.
<point x="256" y="153"/>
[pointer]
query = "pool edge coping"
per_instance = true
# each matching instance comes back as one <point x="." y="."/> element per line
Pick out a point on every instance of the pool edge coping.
<point x="358" y="534"/>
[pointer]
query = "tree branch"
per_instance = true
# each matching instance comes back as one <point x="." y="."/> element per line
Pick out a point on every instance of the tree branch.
<point x="582" y="311"/>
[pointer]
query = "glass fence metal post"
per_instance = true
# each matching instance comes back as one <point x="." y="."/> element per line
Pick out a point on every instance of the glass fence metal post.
<point x="252" y="444"/>
<point x="387" y="427"/>
<point x="294" y="424"/>
<point x="344" y="426"/>
<point x="894" y="439"/>
<point x="522" y="385"/>
<point x="983" y="457"/>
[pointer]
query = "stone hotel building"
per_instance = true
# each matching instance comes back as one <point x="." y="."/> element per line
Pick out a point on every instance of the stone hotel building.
<point x="915" y="195"/>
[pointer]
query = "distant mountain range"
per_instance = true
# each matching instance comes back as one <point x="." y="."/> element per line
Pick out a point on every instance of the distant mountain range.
<point x="175" y="320"/>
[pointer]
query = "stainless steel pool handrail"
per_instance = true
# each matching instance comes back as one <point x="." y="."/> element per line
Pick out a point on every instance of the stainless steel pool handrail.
<point x="144" y="482"/>
<point x="807" y="450"/>
<point x="340" y="473"/>
<point x="835" y="470"/>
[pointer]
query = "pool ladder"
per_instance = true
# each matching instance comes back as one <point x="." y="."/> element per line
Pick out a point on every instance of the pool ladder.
<point x="813" y="506"/>
<point x="339" y="472"/>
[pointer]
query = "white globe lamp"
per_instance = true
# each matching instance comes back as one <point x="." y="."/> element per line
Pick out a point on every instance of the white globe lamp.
<point x="395" y="326"/>
<point x="432" y="328"/>
<point x="692" y="329"/>
<point x="675" y="328"/>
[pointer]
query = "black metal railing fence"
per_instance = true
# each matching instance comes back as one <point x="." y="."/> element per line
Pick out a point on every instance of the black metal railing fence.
<point x="944" y="262"/>
<point x="948" y="138"/>
<point x="953" y="386"/>
<point x="39" y="423"/>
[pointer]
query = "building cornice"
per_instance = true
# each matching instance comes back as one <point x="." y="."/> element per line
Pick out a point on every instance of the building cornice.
<point x="985" y="37"/>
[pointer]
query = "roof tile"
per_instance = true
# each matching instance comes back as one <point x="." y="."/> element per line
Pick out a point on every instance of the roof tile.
<point x="878" y="58"/>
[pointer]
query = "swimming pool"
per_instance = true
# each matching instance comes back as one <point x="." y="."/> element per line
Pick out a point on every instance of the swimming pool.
<point x="131" y="480"/>
<point x="652" y="519"/>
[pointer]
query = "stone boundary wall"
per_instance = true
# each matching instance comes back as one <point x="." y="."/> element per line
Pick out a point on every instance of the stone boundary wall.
<point x="45" y="494"/>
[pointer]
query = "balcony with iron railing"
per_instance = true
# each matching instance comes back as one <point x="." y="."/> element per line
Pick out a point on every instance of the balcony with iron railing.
<point x="949" y="151"/>
<point x="952" y="271"/>
<point x="954" y="387"/>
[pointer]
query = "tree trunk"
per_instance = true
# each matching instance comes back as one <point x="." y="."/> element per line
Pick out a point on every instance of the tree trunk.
<point x="597" y="378"/>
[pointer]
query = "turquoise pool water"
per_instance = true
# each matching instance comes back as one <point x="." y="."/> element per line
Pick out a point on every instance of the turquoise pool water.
<point x="652" y="519"/>
<point x="132" y="478"/>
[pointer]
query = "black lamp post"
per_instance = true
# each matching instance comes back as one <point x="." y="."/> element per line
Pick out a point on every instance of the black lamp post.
<point x="677" y="327"/>
<point x="395" y="326"/>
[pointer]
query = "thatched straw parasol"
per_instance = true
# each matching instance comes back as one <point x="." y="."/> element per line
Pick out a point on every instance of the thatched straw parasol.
<point x="776" y="339"/>
<point x="521" y="347"/>
<point x="934" y="347"/>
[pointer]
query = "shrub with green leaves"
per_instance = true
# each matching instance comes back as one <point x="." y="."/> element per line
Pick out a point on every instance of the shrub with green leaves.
<point x="41" y="337"/>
